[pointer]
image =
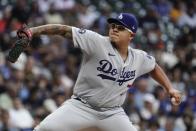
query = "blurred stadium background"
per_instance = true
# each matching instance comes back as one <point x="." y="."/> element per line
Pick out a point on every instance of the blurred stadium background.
<point x="45" y="74"/>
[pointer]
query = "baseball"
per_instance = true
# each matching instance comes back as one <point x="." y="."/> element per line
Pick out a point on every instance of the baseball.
<point x="173" y="100"/>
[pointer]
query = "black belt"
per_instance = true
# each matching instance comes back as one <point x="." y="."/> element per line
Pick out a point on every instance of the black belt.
<point x="96" y="108"/>
<point x="81" y="100"/>
<point x="77" y="99"/>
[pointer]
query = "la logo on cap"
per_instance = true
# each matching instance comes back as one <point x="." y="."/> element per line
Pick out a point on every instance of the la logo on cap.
<point x="120" y="16"/>
<point x="133" y="27"/>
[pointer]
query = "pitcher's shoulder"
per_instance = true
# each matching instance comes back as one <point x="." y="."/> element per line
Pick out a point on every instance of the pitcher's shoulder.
<point x="137" y="51"/>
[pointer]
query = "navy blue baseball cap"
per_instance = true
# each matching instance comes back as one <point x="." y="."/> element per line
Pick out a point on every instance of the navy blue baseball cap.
<point x="126" y="19"/>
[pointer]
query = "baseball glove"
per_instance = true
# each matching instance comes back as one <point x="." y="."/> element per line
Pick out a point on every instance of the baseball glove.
<point x="19" y="47"/>
<point x="25" y="35"/>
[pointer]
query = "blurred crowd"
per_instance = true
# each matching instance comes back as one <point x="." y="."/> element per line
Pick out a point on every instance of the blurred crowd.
<point x="44" y="76"/>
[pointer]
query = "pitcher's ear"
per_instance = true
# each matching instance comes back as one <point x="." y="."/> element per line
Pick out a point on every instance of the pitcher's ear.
<point x="131" y="38"/>
<point x="132" y="35"/>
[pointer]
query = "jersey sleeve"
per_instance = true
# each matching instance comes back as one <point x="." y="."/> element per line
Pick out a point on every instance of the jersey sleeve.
<point x="148" y="63"/>
<point x="86" y="40"/>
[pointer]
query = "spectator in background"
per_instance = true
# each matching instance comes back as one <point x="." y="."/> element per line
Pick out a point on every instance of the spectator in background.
<point x="162" y="7"/>
<point x="153" y="125"/>
<point x="64" y="5"/>
<point x="169" y="125"/>
<point x="130" y="108"/>
<point x="150" y="25"/>
<point x="20" y="117"/>
<point x="36" y="16"/>
<point x="44" y="5"/>
<point x="176" y="11"/>
<point x="150" y="107"/>
<point x="162" y="101"/>
<point x="22" y="9"/>
<point x="5" y="124"/>
<point x="192" y="84"/>
<point x="5" y="95"/>
<point x="102" y="20"/>
<point x="141" y="86"/>
<point x="87" y="15"/>
<point x="185" y="123"/>
<point x="188" y="17"/>
<point x="53" y="16"/>
<point x="177" y="80"/>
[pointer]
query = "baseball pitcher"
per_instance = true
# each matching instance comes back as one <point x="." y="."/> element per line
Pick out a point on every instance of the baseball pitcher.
<point x="108" y="67"/>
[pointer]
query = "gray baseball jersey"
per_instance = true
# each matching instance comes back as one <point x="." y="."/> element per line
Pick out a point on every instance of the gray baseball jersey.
<point x="104" y="77"/>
